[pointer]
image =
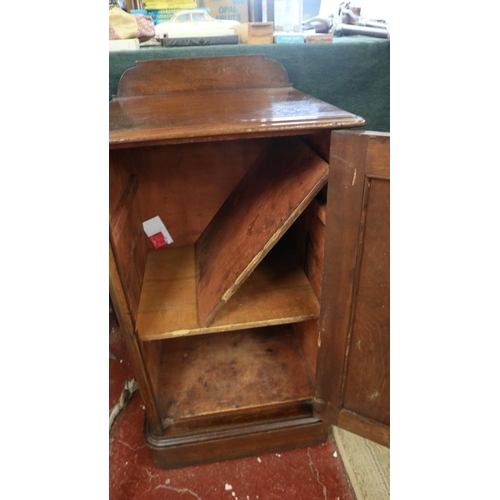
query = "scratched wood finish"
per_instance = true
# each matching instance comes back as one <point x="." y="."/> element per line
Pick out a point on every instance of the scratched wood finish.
<point x="128" y="242"/>
<point x="185" y="137"/>
<point x="235" y="442"/>
<point x="369" y="429"/>
<point x="227" y="372"/>
<point x="200" y="99"/>
<point x="120" y="304"/>
<point x="368" y="369"/>
<point x="250" y="222"/>
<point x="153" y="120"/>
<point x="169" y="76"/>
<point x="353" y="360"/>
<point x="277" y="292"/>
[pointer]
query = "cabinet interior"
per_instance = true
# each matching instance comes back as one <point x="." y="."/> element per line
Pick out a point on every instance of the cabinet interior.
<point x="254" y="355"/>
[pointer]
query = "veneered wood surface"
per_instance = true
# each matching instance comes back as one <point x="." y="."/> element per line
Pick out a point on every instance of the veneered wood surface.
<point x="201" y="74"/>
<point x="185" y="186"/>
<point x="354" y="328"/>
<point x="316" y="247"/>
<point x="218" y="114"/>
<point x="277" y="292"/>
<point x="231" y="371"/>
<point x="120" y="305"/>
<point x="120" y="170"/>
<point x="198" y="99"/>
<point x="129" y="243"/>
<point x="369" y="429"/>
<point x="368" y="370"/>
<point x="268" y="199"/>
<point x="308" y="334"/>
<point x="224" y="444"/>
<point x="151" y="355"/>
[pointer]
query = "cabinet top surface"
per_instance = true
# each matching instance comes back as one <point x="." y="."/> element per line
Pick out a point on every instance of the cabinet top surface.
<point x="212" y="99"/>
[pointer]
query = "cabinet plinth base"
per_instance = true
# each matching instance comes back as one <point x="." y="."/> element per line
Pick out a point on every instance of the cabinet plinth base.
<point x="169" y="452"/>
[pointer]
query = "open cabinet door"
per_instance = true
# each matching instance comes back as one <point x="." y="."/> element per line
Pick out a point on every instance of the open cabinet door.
<point x="353" y="358"/>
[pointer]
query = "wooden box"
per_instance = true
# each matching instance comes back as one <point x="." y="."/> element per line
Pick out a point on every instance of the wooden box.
<point x="230" y="328"/>
<point x="254" y="33"/>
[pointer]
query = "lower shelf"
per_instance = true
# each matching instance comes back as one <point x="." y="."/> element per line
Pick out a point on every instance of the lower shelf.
<point x="277" y="292"/>
<point x="225" y="375"/>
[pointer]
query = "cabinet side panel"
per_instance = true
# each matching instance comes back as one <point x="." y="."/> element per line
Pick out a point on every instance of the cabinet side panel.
<point x="119" y="173"/>
<point x="151" y="353"/>
<point x="120" y="304"/>
<point x="128" y="241"/>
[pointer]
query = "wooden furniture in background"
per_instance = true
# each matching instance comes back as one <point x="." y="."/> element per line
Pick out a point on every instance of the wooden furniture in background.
<point x="223" y="325"/>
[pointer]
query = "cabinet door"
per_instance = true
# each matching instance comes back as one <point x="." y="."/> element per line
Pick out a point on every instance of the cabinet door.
<point x="353" y="358"/>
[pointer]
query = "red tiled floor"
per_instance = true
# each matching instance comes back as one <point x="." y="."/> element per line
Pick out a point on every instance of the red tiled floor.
<point x="311" y="473"/>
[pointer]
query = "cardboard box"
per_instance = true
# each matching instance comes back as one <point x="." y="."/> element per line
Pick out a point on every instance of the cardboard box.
<point x="288" y="37"/>
<point x="233" y="10"/>
<point x="255" y="33"/>
<point x="318" y="37"/>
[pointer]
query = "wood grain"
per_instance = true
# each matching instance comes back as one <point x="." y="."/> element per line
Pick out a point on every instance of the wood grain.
<point x="277" y="292"/>
<point x="120" y="304"/>
<point x="268" y="199"/>
<point x="129" y="244"/>
<point x="216" y="115"/>
<point x="353" y="360"/>
<point x="228" y="372"/>
<point x="367" y="379"/>
<point x="185" y="186"/>
<point x="223" y="444"/>
<point x="214" y="147"/>
<point x="168" y="76"/>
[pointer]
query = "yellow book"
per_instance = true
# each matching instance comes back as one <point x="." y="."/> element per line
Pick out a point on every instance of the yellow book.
<point x="168" y="4"/>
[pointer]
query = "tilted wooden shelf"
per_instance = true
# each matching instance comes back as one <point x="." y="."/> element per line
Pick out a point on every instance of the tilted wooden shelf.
<point x="253" y="218"/>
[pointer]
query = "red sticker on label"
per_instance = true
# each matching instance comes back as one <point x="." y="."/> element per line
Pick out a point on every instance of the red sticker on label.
<point x="158" y="240"/>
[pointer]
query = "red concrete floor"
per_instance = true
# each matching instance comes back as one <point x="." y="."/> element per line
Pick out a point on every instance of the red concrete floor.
<point x="311" y="473"/>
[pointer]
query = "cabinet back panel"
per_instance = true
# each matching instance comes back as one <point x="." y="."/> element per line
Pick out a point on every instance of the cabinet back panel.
<point x="186" y="185"/>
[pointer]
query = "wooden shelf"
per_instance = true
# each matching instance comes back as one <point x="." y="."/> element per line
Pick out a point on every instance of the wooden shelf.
<point x="257" y="213"/>
<point x="230" y="372"/>
<point x="277" y="292"/>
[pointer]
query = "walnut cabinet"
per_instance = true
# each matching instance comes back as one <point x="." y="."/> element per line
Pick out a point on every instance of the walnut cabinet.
<point x="265" y="321"/>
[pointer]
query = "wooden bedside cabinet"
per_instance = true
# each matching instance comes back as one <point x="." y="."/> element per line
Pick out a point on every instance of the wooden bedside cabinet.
<point x="239" y="330"/>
